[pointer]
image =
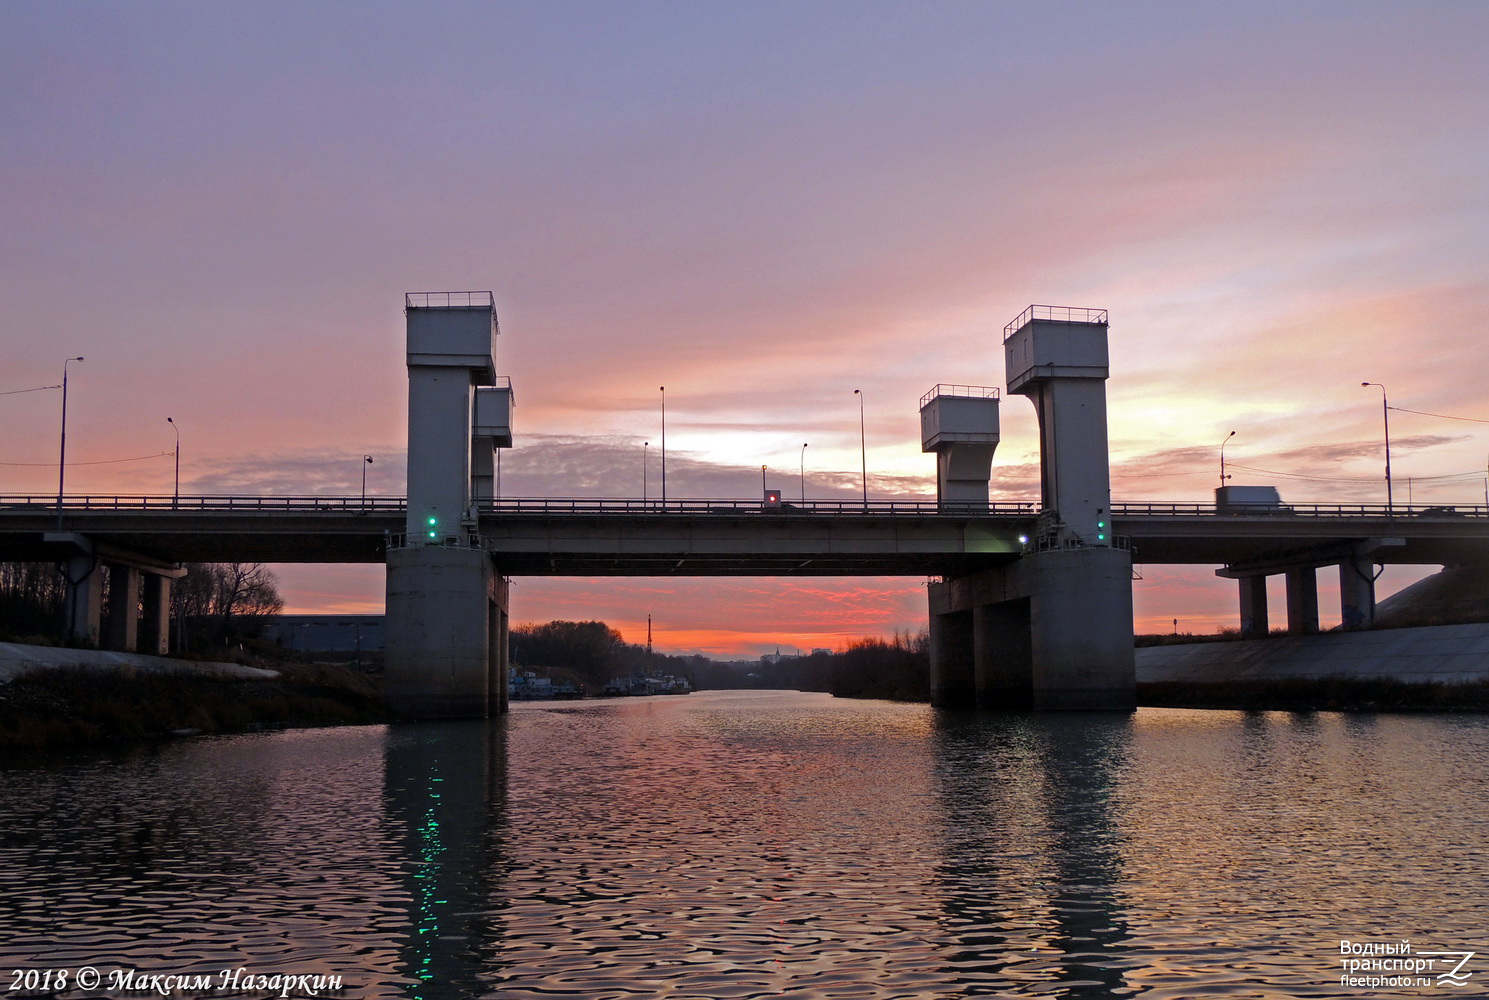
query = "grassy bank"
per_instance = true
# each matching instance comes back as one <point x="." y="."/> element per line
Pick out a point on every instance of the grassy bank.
<point x="1331" y="694"/>
<point x="74" y="707"/>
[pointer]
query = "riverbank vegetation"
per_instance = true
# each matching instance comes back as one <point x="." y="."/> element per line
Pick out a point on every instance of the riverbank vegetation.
<point x="77" y="706"/>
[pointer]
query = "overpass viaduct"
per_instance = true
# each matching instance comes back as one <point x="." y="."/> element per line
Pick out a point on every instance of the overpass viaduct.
<point x="1030" y="605"/>
<point x="602" y="538"/>
<point x="620" y="537"/>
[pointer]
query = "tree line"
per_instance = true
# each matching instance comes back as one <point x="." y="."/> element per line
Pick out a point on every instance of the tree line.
<point x="213" y="604"/>
<point x="593" y="651"/>
<point x="897" y="668"/>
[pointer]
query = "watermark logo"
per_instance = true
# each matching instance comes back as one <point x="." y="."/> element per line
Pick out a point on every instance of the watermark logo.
<point x="1395" y="964"/>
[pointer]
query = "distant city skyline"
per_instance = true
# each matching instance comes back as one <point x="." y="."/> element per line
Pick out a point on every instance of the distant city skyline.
<point x="763" y="207"/>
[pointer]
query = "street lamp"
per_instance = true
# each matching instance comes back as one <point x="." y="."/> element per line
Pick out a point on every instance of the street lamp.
<point x="863" y="449"/>
<point x="1385" y="413"/>
<point x="176" y="496"/>
<point x="1223" y="476"/>
<point x="644" y="445"/>
<point x="762" y="481"/>
<point x="62" y="454"/>
<point x="366" y="461"/>
<point x="663" y="391"/>
<point x="803" y="472"/>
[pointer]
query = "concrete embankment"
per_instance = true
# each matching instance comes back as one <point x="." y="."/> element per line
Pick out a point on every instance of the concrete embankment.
<point x="1437" y="654"/>
<point x="51" y="698"/>
<point x="17" y="660"/>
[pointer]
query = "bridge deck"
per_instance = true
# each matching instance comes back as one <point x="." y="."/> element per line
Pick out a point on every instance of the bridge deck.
<point x="591" y="537"/>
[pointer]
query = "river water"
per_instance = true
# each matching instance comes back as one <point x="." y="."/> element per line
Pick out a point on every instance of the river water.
<point x="760" y="844"/>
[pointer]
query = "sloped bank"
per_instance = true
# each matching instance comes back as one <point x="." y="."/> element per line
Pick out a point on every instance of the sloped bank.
<point x="51" y="697"/>
<point x="1430" y="668"/>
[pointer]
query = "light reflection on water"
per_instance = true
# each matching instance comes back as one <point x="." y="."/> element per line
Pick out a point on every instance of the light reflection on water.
<point x="753" y="844"/>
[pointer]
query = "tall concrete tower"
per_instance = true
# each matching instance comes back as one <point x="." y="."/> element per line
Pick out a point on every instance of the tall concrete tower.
<point x="451" y="348"/>
<point x="1057" y="356"/>
<point x="446" y="608"/>
<point x="1052" y="630"/>
<point x="491" y="429"/>
<point x="960" y="424"/>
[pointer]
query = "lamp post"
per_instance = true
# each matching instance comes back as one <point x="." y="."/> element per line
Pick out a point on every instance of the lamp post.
<point x="762" y="482"/>
<point x="663" y="391"/>
<point x="863" y="449"/>
<point x="176" y="496"/>
<point x="803" y="472"/>
<point x="62" y="454"/>
<point x="366" y="461"/>
<point x="1385" y="413"/>
<point x="644" y="445"/>
<point x="1223" y="476"/>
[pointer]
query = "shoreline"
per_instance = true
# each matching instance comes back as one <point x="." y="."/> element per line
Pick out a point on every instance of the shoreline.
<point x="68" y="707"/>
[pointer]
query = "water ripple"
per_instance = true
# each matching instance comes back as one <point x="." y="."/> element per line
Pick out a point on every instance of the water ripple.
<point x="760" y="844"/>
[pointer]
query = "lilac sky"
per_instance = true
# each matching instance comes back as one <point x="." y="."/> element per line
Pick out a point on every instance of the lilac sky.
<point x="762" y="206"/>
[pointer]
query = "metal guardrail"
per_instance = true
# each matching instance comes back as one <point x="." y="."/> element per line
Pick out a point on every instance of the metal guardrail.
<point x="847" y="508"/>
<point x="598" y="505"/>
<point x="223" y="502"/>
<point x="1054" y="314"/>
<point x="448" y="300"/>
<point x="974" y="391"/>
<point x="1165" y="509"/>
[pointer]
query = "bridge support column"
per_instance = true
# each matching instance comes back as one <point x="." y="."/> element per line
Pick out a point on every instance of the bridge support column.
<point x="124" y="608"/>
<point x="82" y="606"/>
<point x="1051" y="631"/>
<point x="1302" y="601"/>
<point x="953" y="672"/>
<point x="1003" y="654"/>
<point x="1357" y="593"/>
<point x="155" y="624"/>
<point x="496" y="678"/>
<point x="1254" y="623"/>
<point x="438" y="632"/>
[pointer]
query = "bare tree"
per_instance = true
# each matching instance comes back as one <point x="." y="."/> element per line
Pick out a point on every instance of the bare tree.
<point x="218" y="601"/>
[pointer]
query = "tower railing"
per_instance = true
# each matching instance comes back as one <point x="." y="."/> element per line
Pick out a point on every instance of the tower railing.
<point x="972" y="391"/>
<point x="1054" y="314"/>
<point x="448" y="300"/>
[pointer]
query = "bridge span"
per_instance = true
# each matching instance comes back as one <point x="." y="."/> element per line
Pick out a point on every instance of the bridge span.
<point x="629" y="537"/>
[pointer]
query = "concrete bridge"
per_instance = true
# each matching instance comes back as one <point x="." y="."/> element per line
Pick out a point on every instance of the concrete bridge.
<point x="1030" y="605"/>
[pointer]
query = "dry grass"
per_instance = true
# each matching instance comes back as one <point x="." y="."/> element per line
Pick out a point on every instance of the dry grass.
<point x="61" y="708"/>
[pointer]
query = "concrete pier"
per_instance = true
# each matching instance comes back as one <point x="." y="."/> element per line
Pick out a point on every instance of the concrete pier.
<point x="1054" y="629"/>
<point x="124" y="608"/>
<point x="155" y="622"/>
<point x="132" y="576"/>
<point x="440" y="654"/>
<point x="1253" y="606"/>
<point x="1051" y="631"/>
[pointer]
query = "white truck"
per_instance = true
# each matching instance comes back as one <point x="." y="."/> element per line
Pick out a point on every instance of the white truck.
<point x="1248" y="500"/>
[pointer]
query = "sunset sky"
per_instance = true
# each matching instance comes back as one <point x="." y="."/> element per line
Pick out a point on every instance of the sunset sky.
<point x="761" y="206"/>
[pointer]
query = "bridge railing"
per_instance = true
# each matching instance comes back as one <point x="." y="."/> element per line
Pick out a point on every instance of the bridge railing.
<point x="516" y="505"/>
<point x="221" y="502"/>
<point x="845" y="508"/>
<point x="558" y="506"/>
<point x="1170" y="509"/>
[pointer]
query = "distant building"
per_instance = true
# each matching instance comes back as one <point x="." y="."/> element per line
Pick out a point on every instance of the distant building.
<point x="327" y="633"/>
